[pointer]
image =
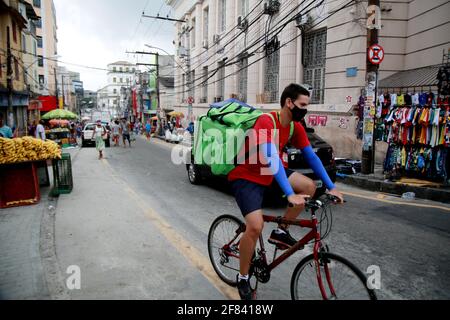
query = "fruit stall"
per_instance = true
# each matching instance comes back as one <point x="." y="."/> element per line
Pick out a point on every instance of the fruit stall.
<point x="21" y="160"/>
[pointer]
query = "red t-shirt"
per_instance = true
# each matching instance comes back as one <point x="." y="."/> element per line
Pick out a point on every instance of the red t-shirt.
<point x="263" y="133"/>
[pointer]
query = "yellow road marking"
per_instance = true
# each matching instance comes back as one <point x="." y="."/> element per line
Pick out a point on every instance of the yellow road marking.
<point x="194" y="256"/>
<point x="380" y="198"/>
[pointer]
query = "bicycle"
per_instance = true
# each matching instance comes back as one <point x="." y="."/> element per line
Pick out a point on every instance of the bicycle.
<point x="328" y="275"/>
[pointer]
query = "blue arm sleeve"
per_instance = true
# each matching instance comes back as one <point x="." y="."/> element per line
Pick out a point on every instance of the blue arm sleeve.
<point x="316" y="165"/>
<point x="271" y="154"/>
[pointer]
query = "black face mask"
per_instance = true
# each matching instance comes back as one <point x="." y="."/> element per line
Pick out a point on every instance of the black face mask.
<point x="298" y="114"/>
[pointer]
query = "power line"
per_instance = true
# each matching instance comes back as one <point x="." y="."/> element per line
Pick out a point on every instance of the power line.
<point x="281" y="46"/>
<point x="273" y="33"/>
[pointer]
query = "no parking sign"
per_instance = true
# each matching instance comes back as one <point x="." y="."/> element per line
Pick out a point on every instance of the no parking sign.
<point x="376" y="54"/>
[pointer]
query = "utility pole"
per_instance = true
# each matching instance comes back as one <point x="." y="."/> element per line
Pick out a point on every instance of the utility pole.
<point x="9" y="76"/>
<point x="156" y="65"/>
<point x="368" y="152"/>
<point x="63" y="94"/>
<point x="158" y="109"/>
<point x="56" y="88"/>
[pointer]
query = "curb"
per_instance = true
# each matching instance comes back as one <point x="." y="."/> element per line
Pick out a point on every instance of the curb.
<point x="434" y="194"/>
<point x="47" y="247"/>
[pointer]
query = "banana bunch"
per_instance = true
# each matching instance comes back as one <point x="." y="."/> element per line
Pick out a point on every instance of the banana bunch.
<point x="27" y="149"/>
<point x="7" y="151"/>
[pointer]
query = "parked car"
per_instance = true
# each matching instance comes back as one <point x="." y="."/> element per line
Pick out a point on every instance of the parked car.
<point x="88" y="132"/>
<point x="197" y="173"/>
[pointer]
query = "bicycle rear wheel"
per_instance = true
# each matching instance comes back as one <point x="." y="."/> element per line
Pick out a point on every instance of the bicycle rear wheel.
<point x="223" y="247"/>
<point x="339" y="278"/>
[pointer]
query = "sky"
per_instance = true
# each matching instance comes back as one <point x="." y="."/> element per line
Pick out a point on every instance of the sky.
<point x="96" y="33"/>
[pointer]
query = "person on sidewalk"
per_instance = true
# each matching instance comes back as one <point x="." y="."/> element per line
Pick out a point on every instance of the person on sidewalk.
<point x="40" y="131"/>
<point x="125" y="132"/>
<point x="99" y="133"/>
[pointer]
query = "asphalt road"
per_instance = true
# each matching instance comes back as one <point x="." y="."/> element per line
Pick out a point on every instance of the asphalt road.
<point x="408" y="241"/>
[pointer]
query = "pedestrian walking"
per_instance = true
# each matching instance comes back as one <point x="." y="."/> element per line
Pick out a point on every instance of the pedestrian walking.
<point x="148" y="129"/>
<point x="115" y="128"/>
<point x="125" y="132"/>
<point x="99" y="133"/>
<point x="40" y="131"/>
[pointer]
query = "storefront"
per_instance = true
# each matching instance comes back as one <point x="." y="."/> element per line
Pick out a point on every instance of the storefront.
<point x="413" y="118"/>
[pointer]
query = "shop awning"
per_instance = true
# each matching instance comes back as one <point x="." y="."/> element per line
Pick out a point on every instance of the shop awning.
<point x="415" y="78"/>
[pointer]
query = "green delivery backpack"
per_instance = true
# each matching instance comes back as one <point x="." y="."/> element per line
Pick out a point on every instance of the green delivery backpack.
<point x="221" y="133"/>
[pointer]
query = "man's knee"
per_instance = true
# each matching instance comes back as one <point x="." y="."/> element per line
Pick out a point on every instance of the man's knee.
<point x="311" y="188"/>
<point x="254" y="226"/>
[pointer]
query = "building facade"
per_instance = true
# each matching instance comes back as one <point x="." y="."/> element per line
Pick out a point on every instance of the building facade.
<point x="47" y="45"/>
<point x="236" y="48"/>
<point x="120" y="75"/>
<point x="14" y="96"/>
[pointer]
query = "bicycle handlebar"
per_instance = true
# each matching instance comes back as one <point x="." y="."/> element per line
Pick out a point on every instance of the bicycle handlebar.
<point x="314" y="203"/>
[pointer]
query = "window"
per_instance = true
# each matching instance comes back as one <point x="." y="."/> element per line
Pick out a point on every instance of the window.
<point x="222" y="15"/>
<point x="16" y="68"/>
<point x="37" y="3"/>
<point x="115" y="91"/>
<point x="41" y="81"/>
<point x="314" y="61"/>
<point x="193" y="33"/>
<point x="114" y="80"/>
<point x="121" y="69"/>
<point x="244" y="8"/>
<point x="114" y="69"/>
<point x="39" y="42"/>
<point x="243" y="79"/>
<point x="271" y="80"/>
<point x="40" y="61"/>
<point x="128" y="69"/>
<point x="133" y="70"/>
<point x="121" y="80"/>
<point x="183" y="91"/>
<point x="205" y="85"/>
<point x="221" y="81"/>
<point x="38" y="23"/>
<point x="14" y="30"/>
<point x="24" y="43"/>
<point x="206" y="24"/>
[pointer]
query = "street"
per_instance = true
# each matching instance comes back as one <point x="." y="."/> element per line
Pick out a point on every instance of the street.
<point x="137" y="229"/>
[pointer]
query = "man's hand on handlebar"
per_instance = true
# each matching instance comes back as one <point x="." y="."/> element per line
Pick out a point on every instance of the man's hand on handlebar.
<point x="298" y="200"/>
<point x="338" y="195"/>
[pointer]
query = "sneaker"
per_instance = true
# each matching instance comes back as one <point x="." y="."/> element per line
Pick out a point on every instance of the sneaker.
<point x="245" y="291"/>
<point x="283" y="241"/>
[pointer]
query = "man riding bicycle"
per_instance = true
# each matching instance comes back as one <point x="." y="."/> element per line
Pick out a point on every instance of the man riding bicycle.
<point x="250" y="181"/>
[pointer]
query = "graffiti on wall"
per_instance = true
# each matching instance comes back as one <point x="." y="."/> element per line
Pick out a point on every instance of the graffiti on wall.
<point x="315" y="121"/>
<point x="323" y="121"/>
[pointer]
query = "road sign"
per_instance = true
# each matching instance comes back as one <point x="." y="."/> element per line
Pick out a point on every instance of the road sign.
<point x="376" y="54"/>
<point x="190" y="100"/>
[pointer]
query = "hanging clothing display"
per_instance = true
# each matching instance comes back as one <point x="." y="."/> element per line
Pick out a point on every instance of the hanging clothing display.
<point x="416" y="127"/>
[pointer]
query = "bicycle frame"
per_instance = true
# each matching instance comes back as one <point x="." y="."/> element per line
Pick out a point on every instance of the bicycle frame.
<point x="312" y="235"/>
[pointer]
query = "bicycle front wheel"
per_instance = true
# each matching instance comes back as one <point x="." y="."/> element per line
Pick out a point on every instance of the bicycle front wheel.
<point x="223" y="247"/>
<point x="330" y="278"/>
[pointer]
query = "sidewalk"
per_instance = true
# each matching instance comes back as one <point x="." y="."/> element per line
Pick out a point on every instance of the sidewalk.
<point x="377" y="182"/>
<point x="28" y="265"/>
